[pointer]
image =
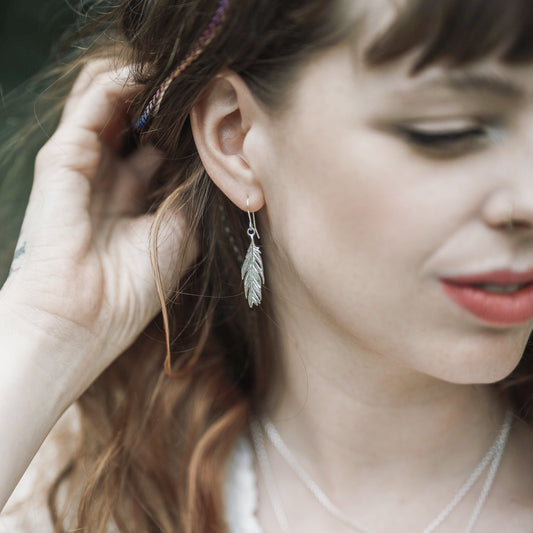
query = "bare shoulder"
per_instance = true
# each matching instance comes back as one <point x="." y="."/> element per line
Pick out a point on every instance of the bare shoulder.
<point x="27" y="510"/>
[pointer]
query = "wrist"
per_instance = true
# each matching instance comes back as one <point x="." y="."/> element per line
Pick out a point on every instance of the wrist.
<point x="33" y="394"/>
<point x="42" y="354"/>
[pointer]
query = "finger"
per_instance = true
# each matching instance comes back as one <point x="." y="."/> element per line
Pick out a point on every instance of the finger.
<point x="127" y="190"/>
<point x="69" y="162"/>
<point x="131" y="191"/>
<point x="145" y="161"/>
<point x="92" y="119"/>
<point x="172" y="256"/>
<point x="89" y="70"/>
<point x="76" y="148"/>
<point x="97" y="99"/>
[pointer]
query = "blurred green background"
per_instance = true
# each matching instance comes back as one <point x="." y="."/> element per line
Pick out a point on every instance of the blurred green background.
<point x="29" y="32"/>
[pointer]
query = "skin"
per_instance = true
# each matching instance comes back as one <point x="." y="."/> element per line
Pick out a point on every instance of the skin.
<point x="359" y="224"/>
<point x="84" y="235"/>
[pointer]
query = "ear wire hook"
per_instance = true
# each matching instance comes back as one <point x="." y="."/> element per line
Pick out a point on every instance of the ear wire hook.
<point x="252" y="228"/>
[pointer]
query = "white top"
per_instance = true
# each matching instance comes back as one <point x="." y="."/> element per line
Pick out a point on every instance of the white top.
<point x="27" y="512"/>
<point x="240" y="490"/>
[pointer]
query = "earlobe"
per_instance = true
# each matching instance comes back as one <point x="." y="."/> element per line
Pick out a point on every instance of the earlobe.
<point x="220" y="122"/>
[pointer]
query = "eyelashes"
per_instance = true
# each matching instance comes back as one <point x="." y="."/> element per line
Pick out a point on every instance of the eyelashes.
<point x="451" y="142"/>
<point x="445" y="138"/>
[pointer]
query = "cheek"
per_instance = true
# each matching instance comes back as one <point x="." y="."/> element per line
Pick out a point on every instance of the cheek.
<point x="335" y="220"/>
<point x="339" y="208"/>
<point x="353" y="235"/>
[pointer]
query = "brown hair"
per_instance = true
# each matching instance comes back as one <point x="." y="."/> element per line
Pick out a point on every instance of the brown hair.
<point x="153" y="447"/>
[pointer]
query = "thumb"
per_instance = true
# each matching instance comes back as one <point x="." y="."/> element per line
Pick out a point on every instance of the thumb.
<point x="172" y="250"/>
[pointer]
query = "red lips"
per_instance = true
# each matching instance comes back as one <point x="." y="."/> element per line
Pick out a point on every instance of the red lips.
<point x="480" y="295"/>
<point x="498" y="277"/>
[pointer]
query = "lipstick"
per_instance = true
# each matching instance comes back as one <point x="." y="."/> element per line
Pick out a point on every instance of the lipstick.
<point x="501" y="298"/>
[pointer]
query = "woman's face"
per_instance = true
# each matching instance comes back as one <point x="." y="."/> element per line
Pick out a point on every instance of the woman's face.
<point x="384" y="191"/>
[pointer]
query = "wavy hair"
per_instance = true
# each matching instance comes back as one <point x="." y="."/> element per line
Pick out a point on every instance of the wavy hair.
<point x="154" y="443"/>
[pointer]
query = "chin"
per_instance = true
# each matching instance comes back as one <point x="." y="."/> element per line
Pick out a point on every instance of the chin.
<point x="481" y="368"/>
<point x="481" y="355"/>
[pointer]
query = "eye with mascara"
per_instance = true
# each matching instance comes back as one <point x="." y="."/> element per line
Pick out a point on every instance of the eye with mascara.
<point x="446" y="142"/>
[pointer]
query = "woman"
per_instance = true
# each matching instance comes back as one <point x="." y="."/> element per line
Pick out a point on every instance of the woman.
<point x="375" y="158"/>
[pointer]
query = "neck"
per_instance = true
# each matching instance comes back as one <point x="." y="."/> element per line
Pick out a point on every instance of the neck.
<point x="378" y="423"/>
<point x="397" y="429"/>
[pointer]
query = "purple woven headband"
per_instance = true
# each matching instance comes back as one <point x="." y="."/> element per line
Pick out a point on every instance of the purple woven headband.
<point x="207" y="36"/>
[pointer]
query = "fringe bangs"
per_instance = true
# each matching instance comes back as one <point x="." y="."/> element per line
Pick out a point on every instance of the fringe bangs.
<point x="457" y="32"/>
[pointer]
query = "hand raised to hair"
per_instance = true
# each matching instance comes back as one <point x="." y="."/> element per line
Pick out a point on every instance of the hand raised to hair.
<point x="82" y="274"/>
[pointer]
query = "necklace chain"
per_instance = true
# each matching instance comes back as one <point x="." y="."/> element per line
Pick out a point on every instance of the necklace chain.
<point x="491" y="459"/>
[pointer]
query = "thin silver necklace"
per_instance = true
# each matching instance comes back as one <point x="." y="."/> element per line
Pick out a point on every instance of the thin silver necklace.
<point x="491" y="459"/>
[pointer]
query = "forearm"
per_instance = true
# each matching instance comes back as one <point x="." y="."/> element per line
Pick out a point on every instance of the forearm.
<point x="82" y="287"/>
<point x="32" y="398"/>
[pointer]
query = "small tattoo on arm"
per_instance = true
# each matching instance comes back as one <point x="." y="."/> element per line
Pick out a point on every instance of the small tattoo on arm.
<point x="19" y="253"/>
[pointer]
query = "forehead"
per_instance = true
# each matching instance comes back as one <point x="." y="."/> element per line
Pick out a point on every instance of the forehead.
<point x="381" y="71"/>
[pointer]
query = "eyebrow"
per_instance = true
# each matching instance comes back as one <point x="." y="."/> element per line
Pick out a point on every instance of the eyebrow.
<point x="476" y="83"/>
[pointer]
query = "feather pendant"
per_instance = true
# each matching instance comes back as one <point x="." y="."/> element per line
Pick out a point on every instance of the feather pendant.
<point x="253" y="275"/>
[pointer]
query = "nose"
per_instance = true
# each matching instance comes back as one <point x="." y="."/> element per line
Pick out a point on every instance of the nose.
<point x="509" y="204"/>
<point x="508" y="210"/>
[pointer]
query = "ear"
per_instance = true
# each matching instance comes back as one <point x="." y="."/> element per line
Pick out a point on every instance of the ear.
<point x="220" y="122"/>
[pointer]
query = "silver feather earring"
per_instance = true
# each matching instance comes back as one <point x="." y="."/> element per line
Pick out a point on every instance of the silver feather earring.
<point x="252" y="268"/>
